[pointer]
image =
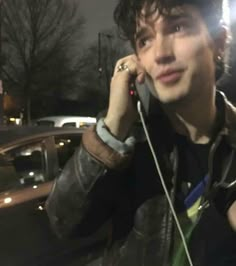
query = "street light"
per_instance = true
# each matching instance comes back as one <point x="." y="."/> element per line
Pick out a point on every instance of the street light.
<point x="109" y="37"/>
<point x="100" y="67"/>
<point x="226" y="12"/>
<point x="1" y="59"/>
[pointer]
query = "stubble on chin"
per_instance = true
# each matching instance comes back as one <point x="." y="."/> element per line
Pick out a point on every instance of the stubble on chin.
<point x="171" y="96"/>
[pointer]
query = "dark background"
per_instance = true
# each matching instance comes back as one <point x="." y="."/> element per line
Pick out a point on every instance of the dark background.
<point x="68" y="72"/>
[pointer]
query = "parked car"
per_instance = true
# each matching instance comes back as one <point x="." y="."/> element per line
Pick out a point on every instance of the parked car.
<point x="66" y="121"/>
<point x="30" y="159"/>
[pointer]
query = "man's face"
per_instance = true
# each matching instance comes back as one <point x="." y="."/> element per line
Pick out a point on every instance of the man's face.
<point x="177" y="52"/>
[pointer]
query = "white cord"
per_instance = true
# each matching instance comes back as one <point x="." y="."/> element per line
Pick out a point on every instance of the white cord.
<point x="163" y="184"/>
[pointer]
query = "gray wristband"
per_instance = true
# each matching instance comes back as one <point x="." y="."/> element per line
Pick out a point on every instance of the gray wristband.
<point x="121" y="147"/>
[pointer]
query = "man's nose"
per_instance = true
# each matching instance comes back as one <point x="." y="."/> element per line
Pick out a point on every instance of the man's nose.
<point x="164" y="53"/>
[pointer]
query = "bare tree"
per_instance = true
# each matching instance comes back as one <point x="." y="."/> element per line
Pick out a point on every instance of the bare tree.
<point x="96" y="75"/>
<point x="41" y="47"/>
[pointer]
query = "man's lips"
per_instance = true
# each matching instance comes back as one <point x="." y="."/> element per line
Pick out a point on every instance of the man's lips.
<point x="170" y="76"/>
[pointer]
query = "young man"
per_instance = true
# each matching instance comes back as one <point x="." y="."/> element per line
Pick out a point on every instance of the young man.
<point x="112" y="176"/>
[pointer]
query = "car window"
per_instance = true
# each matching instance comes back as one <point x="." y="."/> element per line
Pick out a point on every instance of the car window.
<point x="66" y="146"/>
<point x="22" y="166"/>
<point x="69" y="124"/>
<point x="45" y="123"/>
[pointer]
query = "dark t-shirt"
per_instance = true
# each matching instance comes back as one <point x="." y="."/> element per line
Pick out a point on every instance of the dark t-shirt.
<point x="193" y="165"/>
<point x="211" y="240"/>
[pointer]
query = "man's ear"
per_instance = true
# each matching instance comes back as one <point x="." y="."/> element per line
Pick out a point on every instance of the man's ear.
<point x="231" y="214"/>
<point x="220" y="42"/>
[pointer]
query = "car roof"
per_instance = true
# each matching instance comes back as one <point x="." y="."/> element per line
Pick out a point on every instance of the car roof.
<point x="59" y="118"/>
<point x="16" y="133"/>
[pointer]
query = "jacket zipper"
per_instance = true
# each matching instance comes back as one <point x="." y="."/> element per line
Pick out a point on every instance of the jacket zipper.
<point x="169" y="230"/>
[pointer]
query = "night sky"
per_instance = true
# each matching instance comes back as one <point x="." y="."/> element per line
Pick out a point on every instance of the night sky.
<point x="99" y="16"/>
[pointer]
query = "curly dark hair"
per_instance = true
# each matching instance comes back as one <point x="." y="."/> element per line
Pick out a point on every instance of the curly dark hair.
<point x="127" y="11"/>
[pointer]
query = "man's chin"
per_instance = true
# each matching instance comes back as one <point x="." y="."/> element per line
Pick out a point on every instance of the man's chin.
<point x="172" y="98"/>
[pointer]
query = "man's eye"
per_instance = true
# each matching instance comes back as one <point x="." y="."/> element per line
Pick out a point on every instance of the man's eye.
<point x="143" y="42"/>
<point x="179" y="28"/>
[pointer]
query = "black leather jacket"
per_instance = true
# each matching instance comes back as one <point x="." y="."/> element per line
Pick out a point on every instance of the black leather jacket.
<point x="100" y="186"/>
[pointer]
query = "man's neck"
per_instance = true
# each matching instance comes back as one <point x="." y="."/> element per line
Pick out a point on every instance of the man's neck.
<point x="195" y="120"/>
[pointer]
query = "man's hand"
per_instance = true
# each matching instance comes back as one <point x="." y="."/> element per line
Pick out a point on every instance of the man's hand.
<point x="121" y="111"/>
<point x="231" y="214"/>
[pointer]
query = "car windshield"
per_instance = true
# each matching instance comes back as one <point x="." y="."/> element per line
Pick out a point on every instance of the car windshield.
<point x="45" y="123"/>
<point x="21" y="167"/>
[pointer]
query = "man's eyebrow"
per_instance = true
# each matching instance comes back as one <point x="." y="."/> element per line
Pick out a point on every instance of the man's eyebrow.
<point x="140" y="32"/>
<point x="167" y="18"/>
<point x="174" y="17"/>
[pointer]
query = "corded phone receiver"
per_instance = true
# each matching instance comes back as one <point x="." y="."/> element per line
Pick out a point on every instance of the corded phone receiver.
<point x="145" y="94"/>
<point x="145" y="102"/>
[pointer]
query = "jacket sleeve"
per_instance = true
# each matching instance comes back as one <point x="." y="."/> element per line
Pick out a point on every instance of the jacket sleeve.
<point x="224" y="199"/>
<point x="84" y="195"/>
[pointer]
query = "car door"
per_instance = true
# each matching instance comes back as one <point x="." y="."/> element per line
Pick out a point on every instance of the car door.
<point x="26" y="178"/>
<point x="24" y="185"/>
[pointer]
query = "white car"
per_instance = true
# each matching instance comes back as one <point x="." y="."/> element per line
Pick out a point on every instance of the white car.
<point x="66" y="121"/>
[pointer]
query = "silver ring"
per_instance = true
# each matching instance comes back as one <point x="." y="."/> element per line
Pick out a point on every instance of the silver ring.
<point x="122" y="67"/>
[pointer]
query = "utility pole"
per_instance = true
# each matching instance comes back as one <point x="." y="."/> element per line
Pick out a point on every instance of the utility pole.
<point x="101" y="68"/>
<point x="99" y="55"/>
<point x="1" y="62"/>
